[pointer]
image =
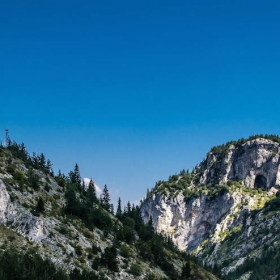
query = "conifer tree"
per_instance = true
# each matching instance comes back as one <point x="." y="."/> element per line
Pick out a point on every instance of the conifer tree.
<point x="42" y="161"/>
<point x="77" y="174"/>
<point x="119" y="209"/>
<point x="105" y="198"/>
<point x="49" y="167"/>
<point x="128" y="207"/>
<point x="72" y="204"/>
<point x="40" y="207"/>
<point x="91" y="194"/>
<point x="186" y="271"/>
<point x="112" y="208"/>
<point x="74" y="176"/>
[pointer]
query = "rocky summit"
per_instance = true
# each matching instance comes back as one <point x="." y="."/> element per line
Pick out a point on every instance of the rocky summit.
<point x="226" y="211"/>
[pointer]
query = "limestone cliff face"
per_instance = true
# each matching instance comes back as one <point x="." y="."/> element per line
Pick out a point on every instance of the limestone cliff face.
<point x="256" y="159"/>
<point x="189" y="223"/>
<point x="196" y="219"/>
<point x="6" y="207"/>
<point x="24" y="222"/>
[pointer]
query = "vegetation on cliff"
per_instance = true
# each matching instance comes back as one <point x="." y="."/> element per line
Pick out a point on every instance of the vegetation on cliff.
<point x="83" y="237"/>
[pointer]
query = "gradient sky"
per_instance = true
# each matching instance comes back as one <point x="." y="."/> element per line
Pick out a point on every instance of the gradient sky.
<point x="134" y="91"/>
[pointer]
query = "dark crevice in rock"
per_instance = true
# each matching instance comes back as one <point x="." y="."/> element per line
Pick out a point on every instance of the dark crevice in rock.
<point x="260" y="182"/>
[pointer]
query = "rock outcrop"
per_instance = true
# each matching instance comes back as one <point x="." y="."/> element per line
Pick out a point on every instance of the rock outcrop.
<point x="256" y="163"/>
<point x="6" y="207"/>
<point x="24" y="222"/>
<point x="189" y="223"/>
<point x="250" y="175"/>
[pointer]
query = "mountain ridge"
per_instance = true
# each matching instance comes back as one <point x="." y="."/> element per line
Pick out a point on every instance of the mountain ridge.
<point x="217" y="201"/>
<point x="53" y="222"/>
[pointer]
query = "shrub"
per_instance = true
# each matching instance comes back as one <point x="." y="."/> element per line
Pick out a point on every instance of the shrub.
<point x="136" y="269"/>
<point x="95" y="249"/>
<point x="125" y="251"/>
<point x="40" y="207"/>
<point x="78" y="250"/>
<point x="11" y="168"/>
<point x="18" y="176"/>
<point x="63" y="230"/>
<point x="47" y="187"/>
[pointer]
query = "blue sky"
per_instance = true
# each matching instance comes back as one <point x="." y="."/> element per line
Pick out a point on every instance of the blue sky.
<point x="134" y="91"/>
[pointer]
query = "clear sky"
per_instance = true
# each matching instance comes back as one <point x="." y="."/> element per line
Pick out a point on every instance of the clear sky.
<point x="134" y="91"/>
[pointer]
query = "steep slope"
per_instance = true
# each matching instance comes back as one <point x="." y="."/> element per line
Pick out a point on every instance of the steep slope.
<point x="54" y="219"/>
<point x="218" y="201"/>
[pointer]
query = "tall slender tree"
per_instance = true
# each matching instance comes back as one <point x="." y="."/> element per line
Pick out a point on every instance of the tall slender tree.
<point x="74" y="176"/>
<point x="105" y="198"/>
<point x="119" y="209"/>
<point x="77" y="174"/>
<point x="91" y="194"/>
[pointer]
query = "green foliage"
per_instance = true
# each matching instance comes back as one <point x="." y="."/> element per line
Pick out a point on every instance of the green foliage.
<point x="40" y="207"/>
<point x="92" y="212"/>
<point x="78" y="250"/>
<point x="72" y="203"/>
<point x="175" y="184"/>
<point x="63" y="229"/>
<point x="20" y="266"/>
<point x="135" y="269"/>
<point x="119" y="209"/>
<point x="60" y="181"/>
<point x="223" y="149"/>
<point x="125" y="251"/>
<point x="105" y="198"/>
<point x="272" y="205"/>
<point x="11" y="168"/>
<point x="109" y="258"/>
<point x="86" y="211"/>
<point x="186" y="271"/>
<point x="47" y="187"/>
<point x="91" y="195"/>
<point x="95" y="249"/>
<point x="74" y="176"/>
<point x="19" y="176"/>
<point x="267" y="264"/>
<point x="35" y="161"/>
<point x="33" y="179"/>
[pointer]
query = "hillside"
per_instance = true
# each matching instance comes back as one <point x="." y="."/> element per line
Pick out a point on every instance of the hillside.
<point x="52" y="227"/>
<point x="226" y="211"/>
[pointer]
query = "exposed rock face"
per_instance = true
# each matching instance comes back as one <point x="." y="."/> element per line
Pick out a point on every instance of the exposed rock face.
<point x="257" y="159"/>
<point x="6" y="207"/>
<point x="25" y="223"/>
<point x="192" y="221"/>
<point x="189" y="222"/>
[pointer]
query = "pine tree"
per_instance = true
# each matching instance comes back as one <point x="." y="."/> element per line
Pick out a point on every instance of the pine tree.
<point x="35" y="161"/>
<point x="186" y="271"/>
<point x="128" y="207"/>
<point x="148" y="192"/>
<point x="77" y="174"/>
<point x="72" y="204"/>
<point x="112" y="208"/>
<point x="42" y="161"/>
<point x="40" y="207"/>
<point x="105" y="198"/>
<point x="49" y="167"/>
<point x="74" y="176"/>
<point x="91" y="194"/>
<point x="119" y="209"/>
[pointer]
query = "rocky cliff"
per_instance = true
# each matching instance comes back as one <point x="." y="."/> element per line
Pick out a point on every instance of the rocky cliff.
<point x="234" y="181"/>
<point x="256" y="163"/>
